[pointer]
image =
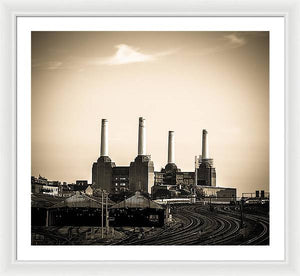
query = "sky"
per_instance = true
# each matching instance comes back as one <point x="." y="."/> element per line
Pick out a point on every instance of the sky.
<point x="180" y="81"/>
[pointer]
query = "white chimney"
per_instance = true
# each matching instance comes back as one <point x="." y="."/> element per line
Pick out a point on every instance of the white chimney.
<point x="204" y="144"/>
<point x="171" y="148"/>
<point x="142" y="137"/>
<point x="104" y="138"/>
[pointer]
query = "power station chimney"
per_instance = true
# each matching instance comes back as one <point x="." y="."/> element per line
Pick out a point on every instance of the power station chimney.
<point x="204" y="144"/>
<point x="171" y="148"/>
<point x="142" y="137"/>
<point x="104" y="138"/>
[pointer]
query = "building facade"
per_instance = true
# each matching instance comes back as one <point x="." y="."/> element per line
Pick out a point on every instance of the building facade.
<point x="139" y="176"/>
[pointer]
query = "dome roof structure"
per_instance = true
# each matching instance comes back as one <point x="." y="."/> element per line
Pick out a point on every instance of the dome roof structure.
<point x="171" y="167"/>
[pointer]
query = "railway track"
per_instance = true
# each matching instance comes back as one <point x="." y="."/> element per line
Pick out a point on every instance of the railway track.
<point x="200" y="227"/>
<point x="194" y="225"/>
<point x="203" y="227"/>
<point x="263" y="237"/>
<point x="52" y="235"/>
<point x="261" y="221"/>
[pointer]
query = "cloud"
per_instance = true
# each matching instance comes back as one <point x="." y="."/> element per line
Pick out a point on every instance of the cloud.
<point x="47" y="65"/>
<point x="234" y="41"/>
<point x="126" y="54"/>
<point x="226" y="42"/>
<point x="52" y="65"/>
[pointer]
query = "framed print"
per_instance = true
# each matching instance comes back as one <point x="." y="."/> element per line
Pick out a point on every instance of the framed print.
<point x="147" y="140"/>
<point x="139" y="204"/>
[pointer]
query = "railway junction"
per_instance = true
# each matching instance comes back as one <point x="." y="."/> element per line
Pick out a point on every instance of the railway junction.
<point x="191" y="224"/>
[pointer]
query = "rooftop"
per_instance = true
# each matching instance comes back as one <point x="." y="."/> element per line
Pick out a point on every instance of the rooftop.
<point x="137" y="201"/>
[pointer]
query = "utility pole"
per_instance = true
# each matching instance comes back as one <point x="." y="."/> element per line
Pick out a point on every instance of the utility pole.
<point x="167" y="212"/>
<point x="194" y="189"/>
<point x="196" y="173"/>
<point x="102" y="214"/>
<point x="47" y="218"/>
<point x="106" y="215"/>
<point x="242" y="215"/>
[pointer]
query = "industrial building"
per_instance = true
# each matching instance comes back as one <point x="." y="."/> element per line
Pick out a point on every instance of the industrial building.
<point x="77" y="210"/>
<point x="140" y="175"/>
<point x="40" y="203"/>
<point x="137" y="211"/>
<point x="216" y="194"/>
<point x="206" y="173"/>
<point x="204" y="169"/>
<point x="171" y="182"/>
<point x="120" y="180"/>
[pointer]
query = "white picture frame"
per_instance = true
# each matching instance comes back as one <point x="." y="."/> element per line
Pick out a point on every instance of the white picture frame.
<point x="9" y="13"/>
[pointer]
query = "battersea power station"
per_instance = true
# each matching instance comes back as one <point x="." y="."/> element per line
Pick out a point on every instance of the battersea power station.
<point x="140" y="175"/>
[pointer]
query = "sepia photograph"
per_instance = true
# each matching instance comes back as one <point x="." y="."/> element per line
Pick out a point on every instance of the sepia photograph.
<point x="150" y="138"/>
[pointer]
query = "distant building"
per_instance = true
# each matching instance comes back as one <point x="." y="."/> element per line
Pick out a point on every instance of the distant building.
<point x="50" y="190"/>
<point x="42" y="185"/>
<point x="189" y="178"/>
<point x="82" y="182"/>
<point x="158" y="178"/>
<point x="216" y="194"/>
<point x="161" y="191"/>
<point x="54" y="183"/>
<point x="89" y="191"/>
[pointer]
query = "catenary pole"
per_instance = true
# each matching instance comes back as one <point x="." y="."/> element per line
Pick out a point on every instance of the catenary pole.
<point x="106" y="214"/>
<point x="102" y="214"/>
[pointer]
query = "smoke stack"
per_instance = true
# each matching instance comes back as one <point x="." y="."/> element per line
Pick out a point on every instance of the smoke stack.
<point x="204" y="144"/>
<point x="142" y="137"/>
<point x="171" y="148"/>
<point x="104" y="138"/>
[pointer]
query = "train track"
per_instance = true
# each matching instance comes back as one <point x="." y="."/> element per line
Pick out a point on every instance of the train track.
<point x="204" y="227"/>
<point x="194" y="225"/>
<point x="197" y="227"/>
<point x="52" y="235"/>
<point x="263" y="237"/>
<point x="260" y="221"/>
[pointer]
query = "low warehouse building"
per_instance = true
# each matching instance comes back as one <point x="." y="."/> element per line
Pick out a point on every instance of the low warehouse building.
<point x="77" y="210"/>
<point x="137" y="211"/>
<point x="216" y="194"/>
<point x="40" y="203"/>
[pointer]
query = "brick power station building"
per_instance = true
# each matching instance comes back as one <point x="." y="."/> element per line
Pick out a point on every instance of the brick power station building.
<point x="140" y="175"/>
